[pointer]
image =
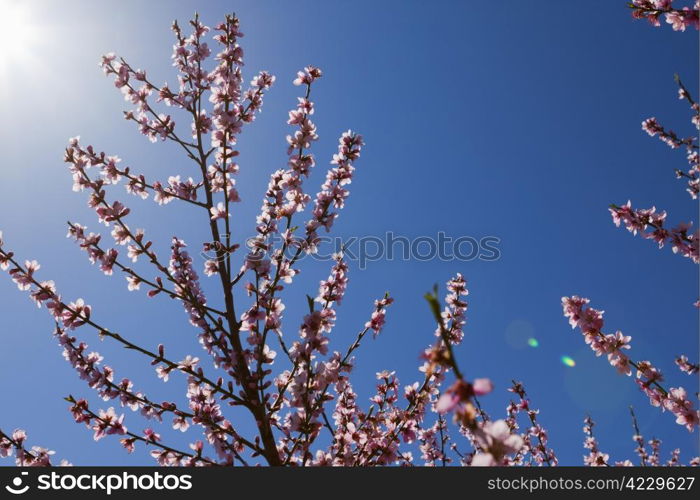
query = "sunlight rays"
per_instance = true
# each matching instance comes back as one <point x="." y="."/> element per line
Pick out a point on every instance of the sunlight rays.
<point x="18" y="34"/>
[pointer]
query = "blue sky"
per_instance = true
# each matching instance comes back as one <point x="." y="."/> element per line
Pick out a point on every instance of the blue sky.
<point x="512" y="119"/>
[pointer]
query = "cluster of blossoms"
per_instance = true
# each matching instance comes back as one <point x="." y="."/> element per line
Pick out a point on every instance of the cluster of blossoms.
<point x="650" y="224"/>
<point x="285" y="195"/>
<point x="36" y="456"/>
<point x="678" y="18"/>
<point x="686" y="366"/>
<point x="647" y="458"/>
<point x="535" y="440"/>
<point x="648" y="378"/>
<point x="652" y="127"/>
<point x="595" y="457"/>
<point x="333" y="193"/>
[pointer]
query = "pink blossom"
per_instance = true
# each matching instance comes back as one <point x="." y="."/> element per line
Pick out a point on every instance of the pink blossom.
<point x="461" y="392"/>
<point x="219" y="211"/>
<point x="496" y="442"/>
<point x="686" y="366"/>
<point x="108" y="423"/>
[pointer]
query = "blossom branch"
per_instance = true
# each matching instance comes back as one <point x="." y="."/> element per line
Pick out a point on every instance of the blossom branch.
<point x="38" y="456"/>
<point x="652" y="10"/>
<point x="648" y="378"/>
<point x="108" y="423"/>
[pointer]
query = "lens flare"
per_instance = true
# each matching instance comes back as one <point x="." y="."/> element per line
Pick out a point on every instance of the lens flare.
<point x="568" y="361"/>
<point x="532" y="342"/>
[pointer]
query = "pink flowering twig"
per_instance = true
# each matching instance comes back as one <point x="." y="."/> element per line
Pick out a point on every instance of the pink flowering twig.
<point x="680" y="238"/>
<point x="652" y="10"/>
<point x="684" y="93"/>
<point x="595" y="457"/>
<point x="540" y="453"/>
<point x="108" y="423"/>
<point x="652" y="127"/>
<point x="308" y="388"/>
<point x="648" y="378"/>
<point x="14" y="444"/>
<point x="101" y="378"/>
<point x="686" y="366"/>
<point x="639" y="440"/>
<point x="77" y="314"/>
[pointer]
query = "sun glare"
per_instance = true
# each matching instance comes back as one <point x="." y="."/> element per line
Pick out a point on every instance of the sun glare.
<point x="17" y="33"/>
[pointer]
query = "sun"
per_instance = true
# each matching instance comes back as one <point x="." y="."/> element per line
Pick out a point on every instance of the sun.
<point x="17" y="33"/>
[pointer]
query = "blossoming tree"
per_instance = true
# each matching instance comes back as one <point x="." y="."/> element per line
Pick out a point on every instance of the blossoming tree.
<point x="306" y="412"/>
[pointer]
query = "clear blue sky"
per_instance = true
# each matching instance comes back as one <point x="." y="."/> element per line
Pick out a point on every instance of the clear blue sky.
<point x="514" y="119"/>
